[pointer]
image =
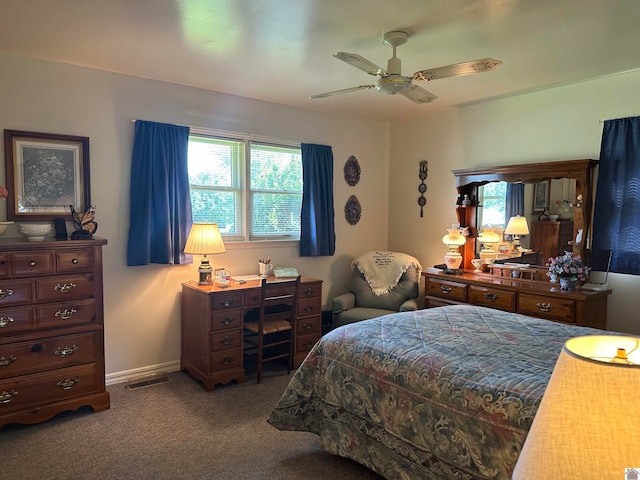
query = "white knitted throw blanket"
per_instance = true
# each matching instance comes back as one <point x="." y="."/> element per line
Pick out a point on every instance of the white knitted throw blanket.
<point x="382" y="270"/>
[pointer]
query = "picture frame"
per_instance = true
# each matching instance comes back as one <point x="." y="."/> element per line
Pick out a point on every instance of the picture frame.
<point x="46" y="173"/>
<point x="541" y="191"/>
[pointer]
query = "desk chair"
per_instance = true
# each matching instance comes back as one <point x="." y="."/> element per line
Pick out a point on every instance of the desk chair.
<point x="269" y="330"/>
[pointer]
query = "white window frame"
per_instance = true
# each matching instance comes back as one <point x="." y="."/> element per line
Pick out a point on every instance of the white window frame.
<point x="245" y="195"/>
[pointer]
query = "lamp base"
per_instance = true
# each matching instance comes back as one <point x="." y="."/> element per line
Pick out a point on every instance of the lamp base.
<point x="205" y="272"/>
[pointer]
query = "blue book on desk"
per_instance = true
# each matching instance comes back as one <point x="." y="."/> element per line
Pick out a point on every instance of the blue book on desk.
<point x="280" y="272"/>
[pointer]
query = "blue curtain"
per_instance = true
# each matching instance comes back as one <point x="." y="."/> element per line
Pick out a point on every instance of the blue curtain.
<point x="160" y="212"/>
<point x="616" y="221"/>
<point x="317" y="230"/>
<point x="514" y="202"/>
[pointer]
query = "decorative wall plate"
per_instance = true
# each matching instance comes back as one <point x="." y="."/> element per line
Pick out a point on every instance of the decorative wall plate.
<point x="352" y="171"/>
<point x="422" y="174"/>
<point x="352" y="210"/>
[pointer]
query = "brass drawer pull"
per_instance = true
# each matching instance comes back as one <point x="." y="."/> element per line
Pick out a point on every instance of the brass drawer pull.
<point x="308" y="292"/>
<point x="491" y="297"/>
<point x="5" y="362"/>
<point x="445" y="290"/>
<point x="32" y="263"/>
<point x="227" y="361"/>
<point x="226" y="321"/>
<point x="544" y="307"/>
<point x="66" y="351"/>
<point x="74" y="261"/>
<point x="68" y="383"/>
<point x="6" y="397"/>
<point x="66" y="313"/>
<point x="227" y="303"/>
<point x="5" y="293"/>
<point x="308" y="326"/>
<point x="308" y="344"/>
<point x="65" y="287"/>
<point x="5" y="321"/>
<point x="226" y="341"/>
<point x="308" y="308"/>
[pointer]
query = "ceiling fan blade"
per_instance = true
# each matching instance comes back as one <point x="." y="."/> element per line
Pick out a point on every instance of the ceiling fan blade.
<point x="458" y="69"/>
<point x="360" y="62"/>
<point x="344" y="90"/>
<point x="419" y="95"/>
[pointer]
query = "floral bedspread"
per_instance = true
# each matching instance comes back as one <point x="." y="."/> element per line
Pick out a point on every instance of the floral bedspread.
<point x="433" y="394"/>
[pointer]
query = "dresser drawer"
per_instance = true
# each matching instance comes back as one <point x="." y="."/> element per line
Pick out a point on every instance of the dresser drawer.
<point x="226" y="359"/>
<point x="40" y="389"/>
<point x="252" y="298"/>
<point x="492" y="298"/>
<point x="552" y="308"/>
<point x="15" y="291"/>
<point x="76" y="312"/>
<point x="13" y="320"/>
<point x="32" y="263"/>
<point x="4" y="265"/>
<point x="308" y="326"/>
<point x="47" y="354"/>
<point x="61" y="288"/>
<point x="447" y="289"/>
<point x="226" y="319"/>
<point x="225" y="340"/>
<point x="308" y="306"/>
<point x="226" y="300"/>
<point x="310" y="289"/>
<point x="69" y="261"/>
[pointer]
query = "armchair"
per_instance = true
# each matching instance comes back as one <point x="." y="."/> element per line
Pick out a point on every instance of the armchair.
<point x="381" y="283"/>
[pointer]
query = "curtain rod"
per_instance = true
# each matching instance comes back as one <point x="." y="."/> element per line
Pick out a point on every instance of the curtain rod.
<point x="607" y="119"/>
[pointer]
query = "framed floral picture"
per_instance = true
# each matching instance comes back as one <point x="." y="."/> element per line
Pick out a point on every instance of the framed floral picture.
<point x="541" y="196"/>
<point x="46" y="173"/>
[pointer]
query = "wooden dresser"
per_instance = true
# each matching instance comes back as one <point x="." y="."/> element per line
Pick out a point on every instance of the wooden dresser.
<point x="51" y="329"/>
<point x="536" y="298"/>
<point x="551" y="239"/>
<point x="212" y="327"/>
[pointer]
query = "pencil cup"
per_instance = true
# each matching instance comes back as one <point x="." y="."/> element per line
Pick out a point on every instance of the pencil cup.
<point x="265" y="269"/>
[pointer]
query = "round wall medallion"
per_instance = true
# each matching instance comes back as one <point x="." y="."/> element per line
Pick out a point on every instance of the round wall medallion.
<point x="352" y="210"/>
<point x="352" y="171"/>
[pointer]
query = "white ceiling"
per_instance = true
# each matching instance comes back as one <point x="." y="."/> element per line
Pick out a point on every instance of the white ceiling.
<point x="282" y="50"/>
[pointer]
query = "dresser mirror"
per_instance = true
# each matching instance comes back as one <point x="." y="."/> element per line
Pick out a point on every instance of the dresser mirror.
<point x="570" y="180"/>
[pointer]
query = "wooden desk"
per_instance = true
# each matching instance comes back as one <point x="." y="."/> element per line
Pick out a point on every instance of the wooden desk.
<point x="536" y="298"/>
<point x="212" y="327"/>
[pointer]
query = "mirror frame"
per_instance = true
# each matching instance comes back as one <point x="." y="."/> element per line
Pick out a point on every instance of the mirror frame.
<point x="582" y="171"/>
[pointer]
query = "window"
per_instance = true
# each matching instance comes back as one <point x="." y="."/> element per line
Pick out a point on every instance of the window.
<point x="251" y="189"/>
<point x="493" y="201"/>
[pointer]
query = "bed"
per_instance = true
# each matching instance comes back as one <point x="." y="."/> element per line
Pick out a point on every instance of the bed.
<point x="439" y="393"/>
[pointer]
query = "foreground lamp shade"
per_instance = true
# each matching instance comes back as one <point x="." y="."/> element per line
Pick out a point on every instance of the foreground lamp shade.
<point x="588" y="424"/>
<point x="204" y="239"/>
<point x="517" y="226"/>
<point x="452" y="259"/>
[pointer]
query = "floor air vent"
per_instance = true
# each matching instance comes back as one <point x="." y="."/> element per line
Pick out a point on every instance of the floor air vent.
<point x="147" y="382"/>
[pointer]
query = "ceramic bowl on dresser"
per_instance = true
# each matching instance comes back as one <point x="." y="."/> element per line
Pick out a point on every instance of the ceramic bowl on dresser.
<point x="4" y="226"/>
<point x="35" y="232"/>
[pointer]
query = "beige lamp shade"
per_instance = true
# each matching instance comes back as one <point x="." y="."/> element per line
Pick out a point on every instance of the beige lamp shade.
<point x="588" y="424"/>
<point x="488" y="236"/>
<point x="452" y="259"/>
<point x="517" y="226"/>
<point x="204" y="238"/>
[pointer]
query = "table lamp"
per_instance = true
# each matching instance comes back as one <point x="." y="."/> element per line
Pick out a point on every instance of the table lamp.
<point x="452" y="259"/>
<point x="487" y="238"/>
<point x="588" y="423"/>
<point x="517" y="226"/>
<point x="204" y="239"/>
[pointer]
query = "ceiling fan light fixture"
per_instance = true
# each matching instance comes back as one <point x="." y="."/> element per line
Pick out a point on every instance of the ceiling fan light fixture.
<point x="393" y="84"/>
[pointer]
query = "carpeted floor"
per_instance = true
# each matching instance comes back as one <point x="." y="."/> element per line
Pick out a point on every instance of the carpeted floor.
<point x="173" y="430"/>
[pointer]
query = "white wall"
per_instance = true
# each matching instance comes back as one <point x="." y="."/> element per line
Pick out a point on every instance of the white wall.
<point x="555" y="124"/>
<point x="142" y="310"/>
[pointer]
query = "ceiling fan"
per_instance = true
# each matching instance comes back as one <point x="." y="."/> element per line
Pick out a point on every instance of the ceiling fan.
<point x="392" y="82"/>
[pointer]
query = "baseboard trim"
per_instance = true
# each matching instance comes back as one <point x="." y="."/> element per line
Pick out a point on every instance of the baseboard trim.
<point x="126" y="375"/>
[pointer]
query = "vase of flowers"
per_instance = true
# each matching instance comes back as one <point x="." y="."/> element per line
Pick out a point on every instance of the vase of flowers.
<point x="564" y="209"/>
<point x="569" y="269"/>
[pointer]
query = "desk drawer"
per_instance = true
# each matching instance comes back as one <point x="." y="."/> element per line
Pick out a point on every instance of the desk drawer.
<point x="552" y="308"/>
<point x="226" y="359"/>
<point x="306" y="342"/>
<point x="226" y="300"/>
<point x="308" y="306"/>
<point x="447" y="289"/>
<point x="308" y="326"/>
<point x="492" y="298"/>
<point x="224" y="340"/>
<point x="226" y="319"/>
<point x="310" y="289"/>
